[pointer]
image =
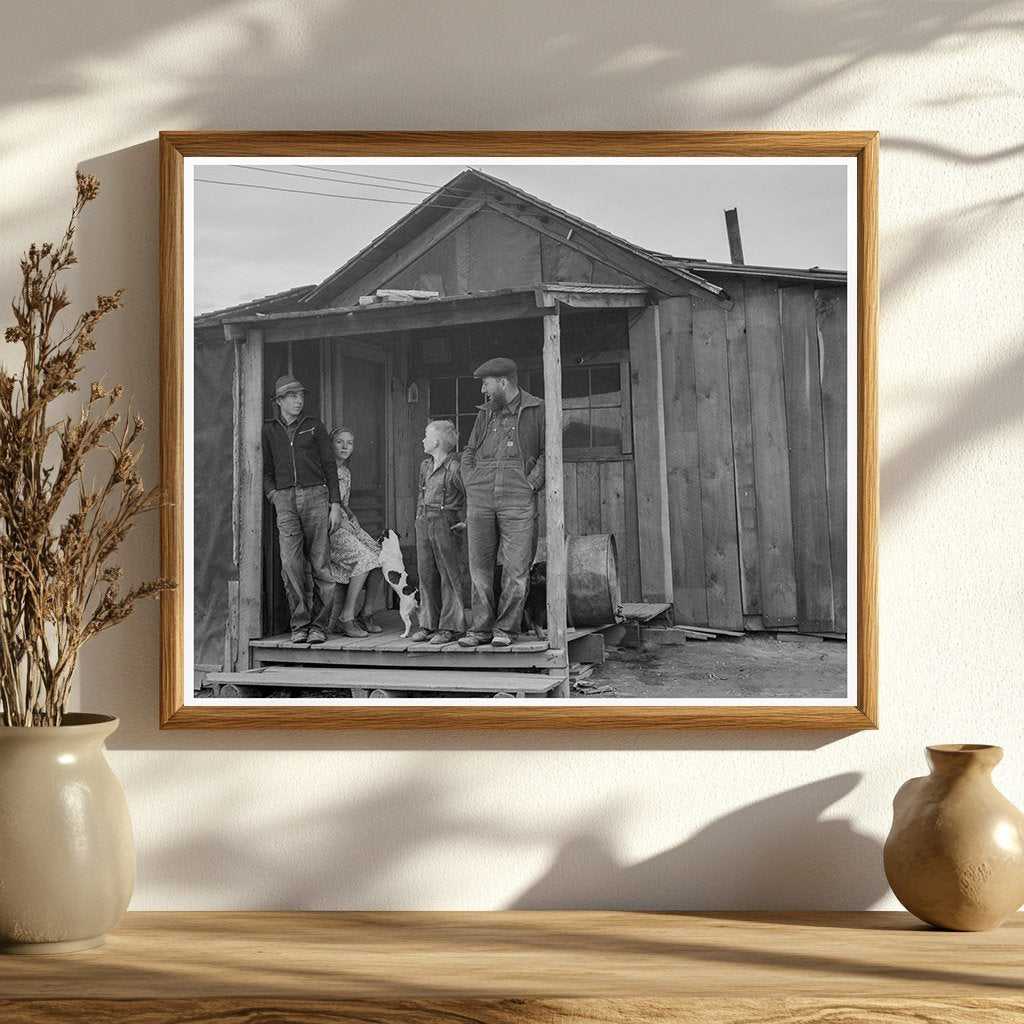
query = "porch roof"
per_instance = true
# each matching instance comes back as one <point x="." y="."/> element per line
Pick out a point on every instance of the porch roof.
<point x="442" y="311"/>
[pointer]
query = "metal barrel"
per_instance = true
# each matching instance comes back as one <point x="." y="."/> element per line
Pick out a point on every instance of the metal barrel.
<point x="592" y="580"/>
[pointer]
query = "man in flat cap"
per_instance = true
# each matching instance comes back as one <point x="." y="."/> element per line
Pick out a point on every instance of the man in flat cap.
<point x="502" y="470"/>
<point x="301" y="481"/>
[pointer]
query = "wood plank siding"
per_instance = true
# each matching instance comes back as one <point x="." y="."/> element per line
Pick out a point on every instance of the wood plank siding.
<point x="802" y="367"/>
<point x="756" y="443"/>
<point x="717" y="479"/>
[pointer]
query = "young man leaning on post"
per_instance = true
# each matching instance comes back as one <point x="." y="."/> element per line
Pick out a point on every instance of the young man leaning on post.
<point x="502" y="471"/>
<point x="301" y="482"/>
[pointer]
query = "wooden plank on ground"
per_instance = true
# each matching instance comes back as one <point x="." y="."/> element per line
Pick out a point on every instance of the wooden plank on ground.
<point x="743" y="453"/>
<point x="770" y="438"/>
<point x="649" y="449"/>
<point x="717" y="481"/>
<point x="711" y="632"/>
<point x="815" y="608"/>
<point x="683" y="461"/>
<point x="830" y="308"/>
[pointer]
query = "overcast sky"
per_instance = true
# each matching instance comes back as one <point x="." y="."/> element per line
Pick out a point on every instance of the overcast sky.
<point x="254" y="239"/>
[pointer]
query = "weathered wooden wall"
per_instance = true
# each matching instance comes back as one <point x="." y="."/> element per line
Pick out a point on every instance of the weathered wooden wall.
<point x="482" y="251"/>
<point x="600" y="497"/>
<point x="755" y="416"/>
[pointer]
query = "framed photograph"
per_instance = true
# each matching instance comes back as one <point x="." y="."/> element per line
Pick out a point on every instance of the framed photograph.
<point x="519" y="430"/>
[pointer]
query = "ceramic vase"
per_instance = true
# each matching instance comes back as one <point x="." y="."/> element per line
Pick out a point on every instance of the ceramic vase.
<point x="955" y="855"/>
<point x="67" y="854"/>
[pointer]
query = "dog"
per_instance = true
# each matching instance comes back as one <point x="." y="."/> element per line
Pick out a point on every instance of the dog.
<point x="535" y="608"/>
<point x="393" y="567"/>
<point x="535" y="611"/>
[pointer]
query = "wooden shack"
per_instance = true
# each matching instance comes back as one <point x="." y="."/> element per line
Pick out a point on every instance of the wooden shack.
<point x="698" y="409"/>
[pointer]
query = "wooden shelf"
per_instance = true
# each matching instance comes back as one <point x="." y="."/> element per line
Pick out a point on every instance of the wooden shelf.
<point x="416" y="968"/>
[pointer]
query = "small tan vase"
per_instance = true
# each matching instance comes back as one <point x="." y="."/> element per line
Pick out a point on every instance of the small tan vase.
<point x="955" y="854"/>
<point x="67" y="855"/>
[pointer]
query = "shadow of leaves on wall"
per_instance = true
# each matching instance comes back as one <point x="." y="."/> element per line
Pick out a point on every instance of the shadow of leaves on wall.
<point x="776" y="853"/>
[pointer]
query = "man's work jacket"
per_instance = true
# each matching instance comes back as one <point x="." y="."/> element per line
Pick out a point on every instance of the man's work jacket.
<point x="299" y="456"/>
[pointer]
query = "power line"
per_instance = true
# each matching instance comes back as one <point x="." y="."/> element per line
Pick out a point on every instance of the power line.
<point x="717" y="245"/>
<point x="328" y="195"/>
<point x="320" y="177"/>
<point x="380" y="177"/>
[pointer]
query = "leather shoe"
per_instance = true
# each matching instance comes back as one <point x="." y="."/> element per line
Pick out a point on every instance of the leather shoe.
<point x="443" y="636"/>
<point x="473" y="640"/>
<point x="421" y="635"/>
<point x="317" y="635"/>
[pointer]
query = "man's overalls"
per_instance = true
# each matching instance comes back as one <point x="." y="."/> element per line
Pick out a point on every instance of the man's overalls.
<point x="501" y="515"/>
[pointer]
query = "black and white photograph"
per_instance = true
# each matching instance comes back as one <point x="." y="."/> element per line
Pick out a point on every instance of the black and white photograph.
<point x="520" y="431"/>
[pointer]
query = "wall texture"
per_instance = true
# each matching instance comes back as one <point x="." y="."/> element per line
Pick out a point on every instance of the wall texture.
<point x="756" y="820"/>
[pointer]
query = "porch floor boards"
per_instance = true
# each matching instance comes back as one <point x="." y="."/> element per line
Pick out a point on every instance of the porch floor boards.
<point x="406" y="660"/>
<point x="392" y="642"/>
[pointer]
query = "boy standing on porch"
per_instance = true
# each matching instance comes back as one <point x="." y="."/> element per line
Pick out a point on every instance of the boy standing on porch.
<point x="440" y="524"/>
<point x="301" y="481"/>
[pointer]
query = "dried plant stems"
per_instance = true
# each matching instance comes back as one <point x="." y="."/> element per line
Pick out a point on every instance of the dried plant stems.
<point x="58" y="586"/>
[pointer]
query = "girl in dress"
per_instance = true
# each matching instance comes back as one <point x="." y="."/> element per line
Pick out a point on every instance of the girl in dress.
<point x="355" y="555"/>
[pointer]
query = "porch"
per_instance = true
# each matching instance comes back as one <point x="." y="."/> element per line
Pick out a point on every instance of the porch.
<point x="410" y="342"/>
<point x="387" y="662"/>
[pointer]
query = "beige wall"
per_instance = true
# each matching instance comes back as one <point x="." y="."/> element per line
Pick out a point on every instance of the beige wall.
<point x="464" y="821"/>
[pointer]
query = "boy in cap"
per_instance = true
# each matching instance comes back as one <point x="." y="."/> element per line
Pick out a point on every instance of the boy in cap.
<point x="502" y="471"/>
<point x="440" y="522"/>
<point x="301" y="482"/>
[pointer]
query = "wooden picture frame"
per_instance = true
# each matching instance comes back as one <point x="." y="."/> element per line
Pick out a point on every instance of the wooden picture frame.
<point x="661" y="305"/>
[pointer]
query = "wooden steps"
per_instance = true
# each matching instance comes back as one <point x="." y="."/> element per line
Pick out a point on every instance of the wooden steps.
<point x="393" y="664"/>
<point x="359" y="682"/>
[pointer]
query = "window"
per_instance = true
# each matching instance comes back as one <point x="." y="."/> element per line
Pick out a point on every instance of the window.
<point x="595" y="419"/>
<point x="595" y="414"/>
<point x="455" y="399"/>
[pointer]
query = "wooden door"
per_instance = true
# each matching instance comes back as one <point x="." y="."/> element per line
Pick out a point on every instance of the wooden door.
<point x="358" y="398"/>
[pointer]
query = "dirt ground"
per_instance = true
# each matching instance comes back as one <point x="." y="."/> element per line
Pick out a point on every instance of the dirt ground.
<point x="756" y="665"/>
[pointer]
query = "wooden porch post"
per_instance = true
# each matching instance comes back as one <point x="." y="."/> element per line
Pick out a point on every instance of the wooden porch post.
<point x="249" y="492"/>
<point x="555" y="495"/>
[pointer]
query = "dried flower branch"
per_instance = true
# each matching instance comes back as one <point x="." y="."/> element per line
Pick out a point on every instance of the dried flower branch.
<point x="58" y="587"/>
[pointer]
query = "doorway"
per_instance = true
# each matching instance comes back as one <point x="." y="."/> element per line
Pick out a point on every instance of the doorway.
<point x="353" y="392"/>
<point x="358" y="398"/>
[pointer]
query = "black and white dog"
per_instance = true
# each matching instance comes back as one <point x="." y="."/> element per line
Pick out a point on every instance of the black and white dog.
<point x="393" y="566"/>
